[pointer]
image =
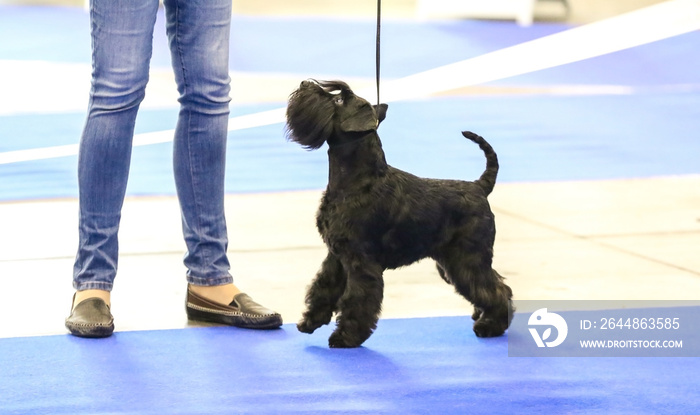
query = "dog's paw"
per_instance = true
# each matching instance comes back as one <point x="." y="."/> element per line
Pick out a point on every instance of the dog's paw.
<point x="487" y="327"/>
<point x="339" y="340"/>
<point x="304" y="327"/>
<point x="311" y="321"/>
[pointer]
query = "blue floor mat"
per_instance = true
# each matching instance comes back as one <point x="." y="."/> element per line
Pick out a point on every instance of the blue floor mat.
<point x="338" y="47"/>
<point x="649" y="131"/>
<point x="409" y="366"/>
<point x="537" y="138"/>
<point x="666" y="62"/>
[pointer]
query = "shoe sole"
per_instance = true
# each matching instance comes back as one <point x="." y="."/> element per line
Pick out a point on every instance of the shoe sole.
<point x="92" y="332"/>
<point x="241" y="321"/>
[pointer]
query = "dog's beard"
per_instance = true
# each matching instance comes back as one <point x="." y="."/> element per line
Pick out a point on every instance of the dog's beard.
<point x="309" y="118"/>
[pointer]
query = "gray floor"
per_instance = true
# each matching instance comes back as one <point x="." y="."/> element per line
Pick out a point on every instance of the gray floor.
<point x="592" y="241"/>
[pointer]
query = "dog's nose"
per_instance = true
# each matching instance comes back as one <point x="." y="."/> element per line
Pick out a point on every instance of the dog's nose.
<point x="307" y="83"/>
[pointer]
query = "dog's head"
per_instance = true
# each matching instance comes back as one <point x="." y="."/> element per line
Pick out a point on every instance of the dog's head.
<point x="321" y="111"/>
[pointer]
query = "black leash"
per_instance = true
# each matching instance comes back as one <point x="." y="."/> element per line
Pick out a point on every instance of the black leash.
<point x="379" y="25"/>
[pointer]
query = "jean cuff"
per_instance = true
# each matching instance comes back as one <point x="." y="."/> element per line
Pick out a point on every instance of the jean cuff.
<point x="92" y="285"/>
<point x="209" y="282"/>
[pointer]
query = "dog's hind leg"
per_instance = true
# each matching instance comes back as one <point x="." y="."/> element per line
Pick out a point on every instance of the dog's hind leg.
<point x="496" y="316"/>
<point x="360" y="306"/>
<point x="443" y="274"/>
<point x="473" y="278"/>
<point x="323" y="295"/>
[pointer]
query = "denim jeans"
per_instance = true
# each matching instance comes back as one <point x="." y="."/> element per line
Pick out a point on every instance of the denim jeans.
<point x="122" y="37"/>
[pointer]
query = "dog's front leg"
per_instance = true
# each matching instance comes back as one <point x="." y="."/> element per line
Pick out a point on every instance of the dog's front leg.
<point x="323" y="294"/>
<point x="360" y="306"/>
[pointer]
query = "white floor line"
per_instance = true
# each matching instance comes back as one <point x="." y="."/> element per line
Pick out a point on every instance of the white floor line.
<point x="650" y="24"/>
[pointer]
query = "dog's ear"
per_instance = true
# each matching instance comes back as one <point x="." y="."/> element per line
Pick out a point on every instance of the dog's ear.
<point x="358" y="119"/>
<point x="381" y="112"/>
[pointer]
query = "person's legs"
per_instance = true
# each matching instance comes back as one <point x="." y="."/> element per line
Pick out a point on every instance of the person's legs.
<point x="198" y="33"/>
<point x="122" y="36"/>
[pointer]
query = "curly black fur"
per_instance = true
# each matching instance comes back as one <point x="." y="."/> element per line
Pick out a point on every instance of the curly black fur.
<point x="375" y="217"/>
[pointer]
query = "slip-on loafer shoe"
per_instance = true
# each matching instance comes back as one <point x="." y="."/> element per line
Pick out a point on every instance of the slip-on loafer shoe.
<point x="242" y="312"/>
<point x="91" y="318"/>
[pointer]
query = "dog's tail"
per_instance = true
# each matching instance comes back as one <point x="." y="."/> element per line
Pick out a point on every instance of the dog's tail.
<point x="487" y="181"/>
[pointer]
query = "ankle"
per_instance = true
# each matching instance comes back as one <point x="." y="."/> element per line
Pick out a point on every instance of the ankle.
<point x="85" y="294"/>
<point x="222" y="294"/>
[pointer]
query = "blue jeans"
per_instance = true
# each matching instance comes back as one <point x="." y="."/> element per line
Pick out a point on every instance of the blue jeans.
<point x="122" y="36"/>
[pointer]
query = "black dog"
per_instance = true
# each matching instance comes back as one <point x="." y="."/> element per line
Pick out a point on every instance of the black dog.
<point x="375" y="217"/>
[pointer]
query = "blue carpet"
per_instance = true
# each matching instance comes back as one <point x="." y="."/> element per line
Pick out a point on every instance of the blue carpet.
<point x="537" y="138"/>
<point x="670" y="61"/>
<point x="62" y="35"/>
<point x="647" y="133"/>
<point x="409" y="366"/>
<point x="284" y="44"/>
